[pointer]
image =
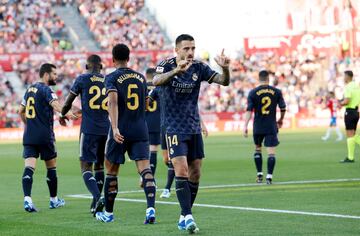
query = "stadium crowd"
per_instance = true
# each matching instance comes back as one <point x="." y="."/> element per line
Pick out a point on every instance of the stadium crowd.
<point x="22" y="27"/>
<point x="122" y="21"/>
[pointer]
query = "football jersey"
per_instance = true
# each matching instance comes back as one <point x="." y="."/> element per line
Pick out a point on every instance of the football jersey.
<point x="39" y="114"/>
<point x="131" y="90"/>
<point x="94" y="103"/>
<point x="180" y="96"/>
<point x="153" y="111"/>
<point x="263" y="100"/>
<point x="332" y="105"/>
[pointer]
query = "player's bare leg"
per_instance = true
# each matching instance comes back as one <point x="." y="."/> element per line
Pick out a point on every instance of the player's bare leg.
<point x="170" y="175"/>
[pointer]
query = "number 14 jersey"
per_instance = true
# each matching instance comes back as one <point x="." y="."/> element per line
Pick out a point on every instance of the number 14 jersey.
<point x="263" y="100"/>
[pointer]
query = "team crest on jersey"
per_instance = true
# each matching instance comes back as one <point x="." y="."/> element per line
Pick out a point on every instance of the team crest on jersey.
<point x="171" y="151"/>
<point x="195" y="77"/>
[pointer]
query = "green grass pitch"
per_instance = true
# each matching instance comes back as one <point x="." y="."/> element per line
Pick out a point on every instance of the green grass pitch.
<point x="301" y="156"/>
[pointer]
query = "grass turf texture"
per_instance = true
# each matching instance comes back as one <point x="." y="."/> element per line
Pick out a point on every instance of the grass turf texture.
<point x="300" y="156"/>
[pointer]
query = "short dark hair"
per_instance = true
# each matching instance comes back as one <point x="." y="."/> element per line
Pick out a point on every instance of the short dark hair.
<point x="150" y="71"/>
<point x="121" y="52"/>
<point x="93" y="62"/>
<point x="349" y="73"/>
<point x="183" y="37"/>
<point x="263" y="75"/>
<point x="46" y="68"/>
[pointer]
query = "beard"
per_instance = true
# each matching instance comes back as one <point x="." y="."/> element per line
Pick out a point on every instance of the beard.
<point x="52" y="82"/>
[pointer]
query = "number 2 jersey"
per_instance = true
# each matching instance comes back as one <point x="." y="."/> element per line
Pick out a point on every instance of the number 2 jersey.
<point x="131" y="89"/>
<point x="39" y="114"/>
<point x="94" y="103"/>
<point x="263" y="100"/>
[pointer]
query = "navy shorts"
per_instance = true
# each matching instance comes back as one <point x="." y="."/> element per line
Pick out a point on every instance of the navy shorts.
<point x="333" y="121"/>
<point x="137" y="150"/>
<point x="189" y="145"/>
<point x="271" y="140"/>
<point x="46" y="151"/>
<point x="92" y="147"/>
<point x="154" y="138"/>
<point x="163" y="139"/>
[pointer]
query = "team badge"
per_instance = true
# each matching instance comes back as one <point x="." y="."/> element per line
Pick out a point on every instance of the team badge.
<point x="171" y="151"/>
<point x="195" y="77"/>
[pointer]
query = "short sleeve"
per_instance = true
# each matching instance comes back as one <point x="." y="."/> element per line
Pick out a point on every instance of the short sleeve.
<point x="281" y="102"/>
<point x="250" y="102"/>
<point x="110" y="84"/>
<point x="348" y="91"/>
<point x="161" y="67"/>
<point x="76" y="87"/>
<point x="50" y="95"/>
<point x="207" y="74"/>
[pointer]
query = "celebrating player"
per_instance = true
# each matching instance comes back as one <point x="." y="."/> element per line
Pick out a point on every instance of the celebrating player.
<point x="37" y="113"/>
<point x="94" y="126"/>
<point x="180" y="78"/>
<point x="127" y="91"/>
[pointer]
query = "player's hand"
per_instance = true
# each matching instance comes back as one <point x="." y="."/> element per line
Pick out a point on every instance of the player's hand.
<point x="62" y="120"/>
<point x="72" y="116"/>
<point x="182" y="66"/>
<point x="204" y="131"/>
<point x="279" y="124"/>
<point x="117" y="136"/>
<point x="222" y="60"/>
<point x="245" y="132"/>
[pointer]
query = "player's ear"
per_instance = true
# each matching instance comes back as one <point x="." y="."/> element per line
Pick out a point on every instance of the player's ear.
<point x="86" y="67"/>
<point x="101" y="66"/>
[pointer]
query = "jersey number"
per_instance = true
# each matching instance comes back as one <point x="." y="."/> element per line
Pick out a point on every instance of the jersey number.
<point x="134" y="104"/>
<point x="266" y="101"/>
<point x="172" y="140"/>
<point x="30" y="109"/>
<point x="98" y="92"/>
<point x="152" y="107"/>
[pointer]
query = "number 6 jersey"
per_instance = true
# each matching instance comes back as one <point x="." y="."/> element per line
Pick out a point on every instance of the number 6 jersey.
<point x="263" y="100"/>
<point x="94" y="103"/>
<point x="131" y="89"/>
<point x="39" y="114"/>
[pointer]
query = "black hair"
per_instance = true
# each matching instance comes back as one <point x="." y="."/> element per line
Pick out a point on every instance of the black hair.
<point x="121" y="52"/>
<point x="150" y="71"/>
<point x="46" y="68"/>
<point x="183" y="37"/>
<point x="93" y="62"/>
<point x="263" y="75"/>
<point x="349" y="73"/>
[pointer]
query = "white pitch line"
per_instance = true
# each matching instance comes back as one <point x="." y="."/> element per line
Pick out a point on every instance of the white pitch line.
<point x="234" y="208"/>
<point x="256" y="184"/>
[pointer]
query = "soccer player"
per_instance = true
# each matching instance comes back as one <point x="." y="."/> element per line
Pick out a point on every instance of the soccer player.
<point x="37" y="113"/>
<point x="153" y="121"/>
<point x="180" y="78"/>
<point x="127" y="92"/>
<point x="94" y="126"/>
<point x="263" y="100"/>
<point x="155" y="96"/>
<point x="351" y="102"/>
<point x="332" y="104"/>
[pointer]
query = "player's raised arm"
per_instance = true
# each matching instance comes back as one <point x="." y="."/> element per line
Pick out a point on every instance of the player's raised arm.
<point x="224" y="62"/>
<point x="161" y="79"/>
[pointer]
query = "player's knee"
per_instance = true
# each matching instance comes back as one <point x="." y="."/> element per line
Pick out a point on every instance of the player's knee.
<point x="85" y="166"/>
